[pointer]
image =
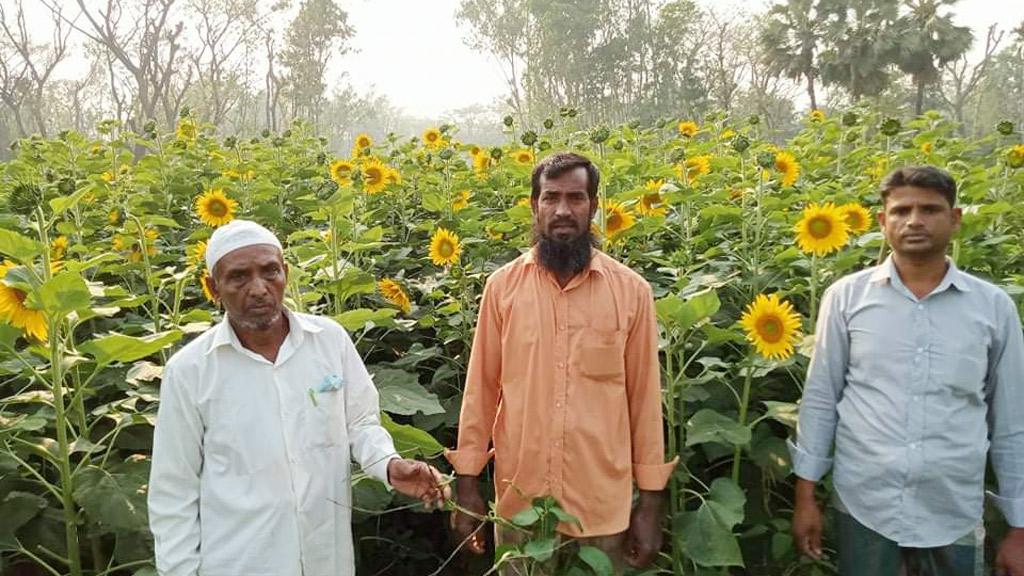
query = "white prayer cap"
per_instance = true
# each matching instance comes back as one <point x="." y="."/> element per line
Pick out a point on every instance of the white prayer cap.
<point x="234" y="235"/>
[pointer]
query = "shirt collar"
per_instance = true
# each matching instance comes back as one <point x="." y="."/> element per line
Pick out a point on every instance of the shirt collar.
<point x="598" y="262"/>
<point x="224" y="334"/>
<point x="954" y="277"/>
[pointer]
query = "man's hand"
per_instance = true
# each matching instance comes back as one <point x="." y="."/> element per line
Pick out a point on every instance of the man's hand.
<point x="1010" y="559"/>
<point x="419" y="480"/>
<point x="807" y="520"/>
<point x="467" y="525"/>
<point x="643" y="541"/>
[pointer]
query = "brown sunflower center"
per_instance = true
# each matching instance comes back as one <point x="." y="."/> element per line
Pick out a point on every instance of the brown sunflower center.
<point x="217" y="208"/>
<point x="770" y="329"/>
<point x="649" y="200"/>
<point x="819" y="227"/>
<point x="374" y="175"/>
<point x="431" y="137"/>
<point x="445" y="248"/>
<point x="614" y="222"/>
<point x="853" y="220"/>
<point x="19" y="295"/>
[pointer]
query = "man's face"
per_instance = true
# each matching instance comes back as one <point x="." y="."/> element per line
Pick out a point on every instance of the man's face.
<point x="563" y="209"/>
<point x="250" y="282"/>
<point x="918" y="221"/>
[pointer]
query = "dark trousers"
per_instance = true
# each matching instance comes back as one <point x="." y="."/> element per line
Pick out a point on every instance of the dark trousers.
<point x="864" y="552"/>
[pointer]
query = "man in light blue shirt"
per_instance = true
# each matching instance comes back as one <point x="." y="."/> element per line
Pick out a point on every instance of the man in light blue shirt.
<point x="917" y="376"/>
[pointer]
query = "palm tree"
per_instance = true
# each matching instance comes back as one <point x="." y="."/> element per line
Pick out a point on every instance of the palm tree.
<point x="927" y="41"/>
<point x="790" y="38"/>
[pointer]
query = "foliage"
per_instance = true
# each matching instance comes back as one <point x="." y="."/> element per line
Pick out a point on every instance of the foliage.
<point x="123" y="290"/>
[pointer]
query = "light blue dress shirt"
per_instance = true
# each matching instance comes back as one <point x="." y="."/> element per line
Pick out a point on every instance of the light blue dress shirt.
<point x="913" y="394"/>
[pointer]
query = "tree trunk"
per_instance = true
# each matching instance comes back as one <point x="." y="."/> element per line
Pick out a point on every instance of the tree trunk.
<point x="919" y="101"/>
<point x="810" y="91"/>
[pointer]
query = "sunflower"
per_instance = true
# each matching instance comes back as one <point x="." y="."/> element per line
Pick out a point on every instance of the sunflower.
<point x="186" y="129"/>
<point x="1015" y="157"/>
<point x="688" y="128"/>
<point x="727" y="133"/>
<point x="461" y="200"/>
<point x="816" y="116"/>
<point x="214" y="208"/>
<point x="694" y="167"/>
<point x="481" y="162"/>
<point x="822" y="229"/>
<point x="114" y="216"/>
<point x="857" y="217"/>
<point x="197" y="255"/>
<point x="204" y="281"/>
<point x="341" y="172"/>
<point x="433" y="139"/>
<point x="108" y="177"/>
<point x="651" y="202"/>
<point x="393" y="177"/>
<point x="786" y="164"/>
<point x="523" y="157"/>
<point x="881" y="165"/>
<point x="772" y="325"/>
<point x="393" y="292"/>
<point x="926" y="147"/>
<point x="444" y="247"/>
<point x="375" y="176"/>
<point x="362" y="142"/>
<point x="617" y="219"/>
<point x="58" y="247"/>
<point x="475" y="150"/>
<point x="14" y="312"/>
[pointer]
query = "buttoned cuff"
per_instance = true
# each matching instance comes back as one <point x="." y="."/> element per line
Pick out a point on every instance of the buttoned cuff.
<point x="468" y="462"/>
<point x="1012" y="509"/>
<point x="379" y="469"/>
<point x="807" y="465"/>
<point x="653" y="477"/>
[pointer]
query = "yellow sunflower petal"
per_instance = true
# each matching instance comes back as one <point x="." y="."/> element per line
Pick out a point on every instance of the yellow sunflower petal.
<point x="214" y="208"/>
<point x="821" y="230"/>
<point x="445" y="248"/>
<point x="772" y="326"/>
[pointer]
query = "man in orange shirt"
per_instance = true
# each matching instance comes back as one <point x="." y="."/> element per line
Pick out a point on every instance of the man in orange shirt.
<point x="564" y="380"/>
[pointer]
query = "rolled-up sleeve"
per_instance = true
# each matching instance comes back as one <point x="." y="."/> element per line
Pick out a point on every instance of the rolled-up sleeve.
<point x="371" y="445"/>
<point x="1005" y="394"/>
<point x="826" y="378"/>
<point x="483" y="390"/>
<point x="174" y="484"/>
<point x="643" y="389"/>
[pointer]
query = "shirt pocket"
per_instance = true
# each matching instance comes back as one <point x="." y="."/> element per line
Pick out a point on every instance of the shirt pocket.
<point x="601" y="356"/>
<point x="322" y="424"/>
<point x="965" y="366"/>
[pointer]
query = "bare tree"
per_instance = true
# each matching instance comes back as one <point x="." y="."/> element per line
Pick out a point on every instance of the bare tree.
<point x="961" y="78"/>
<point x="224" y="28"/>
<point x="37" y="61"/>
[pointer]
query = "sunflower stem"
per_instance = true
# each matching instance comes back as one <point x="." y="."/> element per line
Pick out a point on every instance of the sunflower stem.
<point x="813" y="280"/>
<point x="744" y="401"/>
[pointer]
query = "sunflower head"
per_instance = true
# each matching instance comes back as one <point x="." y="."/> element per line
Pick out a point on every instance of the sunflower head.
<point x="481" y="162"/>
<point x="822" y="229"/>
<point x="204" y="282"/>
<point x="523" y="157"/>
<point x="58" y="247"/>
<point x="375" y="176"/>
<point x="461" y="200"/>
<point x="693" y="167"/>
<point x="186" y="129"/>
<point x="214" y="208"/>
<point x="393" y="292"/>
<point x="1015" y="157"/>
<point x="688" y="128"/>
<point x="433" y="139"/>
<point x="341" y="171"/>
<point x="926" y="147"/>
<point x="15" y="312"/>
<point x="787" y="166"/>
<point x="197" y="254"/>
<point x="816" y="116"/>
<point x="772" y="326"/>
<point x="617" y="219"/>
<point x="445" y="248"/>
<point x="651" y="202"/>
<point x="857" y="217"/>
<point x="363" y="141"/>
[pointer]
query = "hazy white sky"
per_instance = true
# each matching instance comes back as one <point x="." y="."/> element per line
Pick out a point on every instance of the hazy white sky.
<point x="413" y="52"/>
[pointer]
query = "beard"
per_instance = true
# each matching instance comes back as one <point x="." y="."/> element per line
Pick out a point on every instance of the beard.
<point x="258" y="323"/>
<point x="564" y="257"/>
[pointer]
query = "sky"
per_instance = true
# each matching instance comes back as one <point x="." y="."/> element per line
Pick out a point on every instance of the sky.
<point x="412" y="51"/>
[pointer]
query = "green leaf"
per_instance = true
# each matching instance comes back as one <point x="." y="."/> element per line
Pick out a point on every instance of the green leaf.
<point x="61" y="204"/>
<point x="685" y="314"/>
<point x="61" y="294"/>
<point x="706" y="540"/>
<point x="361" y="318"/>
<point x="527" y="517"/>
<point x="121" y="348"/>
<point x="353" y="281"/>
<point x="434" y="202"/>
<point x="409" y="440"/>
<point x="597" y="560"/>
<point x="115" y="501"/>
<point x="540" y="550"/>
<point x="710" y="426"/>
<point x="16" y="509"/>
<point x="401" y="393"/>
<point x="727" y="500"/>
<point x="783" y="412"/>
<point x="19" y="247"/>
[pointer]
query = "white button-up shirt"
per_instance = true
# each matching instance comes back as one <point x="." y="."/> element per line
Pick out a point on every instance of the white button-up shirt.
<point x="251" y="460"/>
<point x="915" y="392"/>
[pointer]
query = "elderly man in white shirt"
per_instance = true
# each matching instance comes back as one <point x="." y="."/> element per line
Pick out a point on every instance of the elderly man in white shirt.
<point x="251" y="455"/>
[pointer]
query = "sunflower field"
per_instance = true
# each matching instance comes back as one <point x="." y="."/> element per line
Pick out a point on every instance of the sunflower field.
<point x="738" y="231"/>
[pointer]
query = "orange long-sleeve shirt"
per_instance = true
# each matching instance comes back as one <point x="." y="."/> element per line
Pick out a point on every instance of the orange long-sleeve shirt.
<point x="565" y="382"/>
